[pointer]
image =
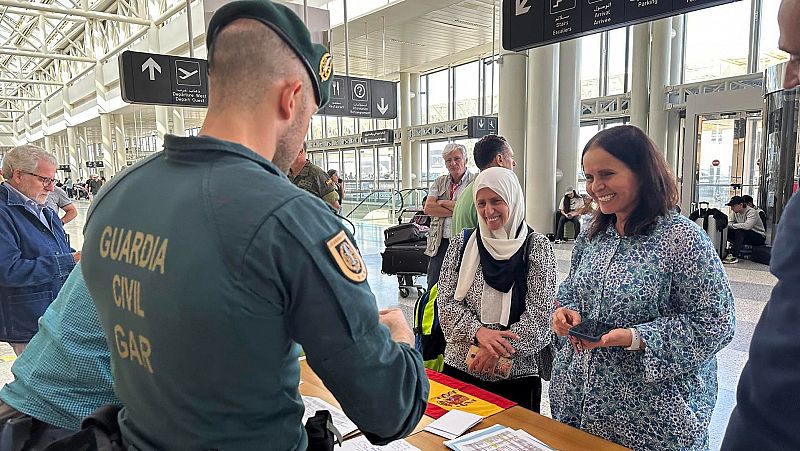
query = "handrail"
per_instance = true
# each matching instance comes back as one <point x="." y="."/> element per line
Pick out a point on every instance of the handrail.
<point x="402" y="193"/>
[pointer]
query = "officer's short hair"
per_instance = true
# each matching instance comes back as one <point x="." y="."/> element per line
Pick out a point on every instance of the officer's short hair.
<point x="246" y="58"/>
<point x="25" y="158"/>
<point x="452" y="147"/>
<point x="487" y="148"/>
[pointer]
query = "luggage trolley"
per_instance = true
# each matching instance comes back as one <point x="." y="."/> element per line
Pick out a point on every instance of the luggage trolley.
<point x="405" y="251"/>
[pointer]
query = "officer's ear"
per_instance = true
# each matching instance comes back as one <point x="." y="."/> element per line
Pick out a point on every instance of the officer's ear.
<point x="290" y="99"/>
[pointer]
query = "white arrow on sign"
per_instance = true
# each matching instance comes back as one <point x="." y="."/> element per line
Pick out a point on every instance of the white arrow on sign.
<point x="152" y="66"/>
<point x="382" y="107"/>
<point x="480" y="122"/>
<point x="522" y="7"/>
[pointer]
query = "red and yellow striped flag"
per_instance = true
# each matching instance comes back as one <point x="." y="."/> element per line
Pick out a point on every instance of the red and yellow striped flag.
<point x="448" y="393"/>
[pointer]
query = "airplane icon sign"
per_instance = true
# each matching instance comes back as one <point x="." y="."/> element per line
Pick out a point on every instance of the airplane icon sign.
<point x="187" y="73"/>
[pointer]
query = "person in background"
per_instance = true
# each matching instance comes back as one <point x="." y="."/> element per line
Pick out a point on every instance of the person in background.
<point x="441" y="202"/>
<point x="59" y="200"/>
<point x="568" y="212"/>
<point x="767" y="412"/>
<point x="744" y="227"/>
<point x="496" y="291"/>
<point x="312" y="178"/>
<point x="748" y="199"/>
<point x="68" y="187"/>
<point x="490" y="151"/>
<point x="35" y="257"/>
<point x="333" y="174"/>
<point x="586" y="212"/>
<point x="652" y="275"/>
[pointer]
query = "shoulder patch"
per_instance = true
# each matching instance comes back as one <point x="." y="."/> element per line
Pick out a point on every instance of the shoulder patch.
<point x="347" y="257"/>
<point x="325" y="67"/>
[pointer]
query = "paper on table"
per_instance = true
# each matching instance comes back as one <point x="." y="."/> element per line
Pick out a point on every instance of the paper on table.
<point x="361" y="443"/>
<point x="498" y="439"/>
<point x="453" y="423"/>
<point x="340" y="420"/>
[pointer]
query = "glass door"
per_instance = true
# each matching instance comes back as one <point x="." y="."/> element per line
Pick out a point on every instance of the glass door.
<point x="727" y="157"/>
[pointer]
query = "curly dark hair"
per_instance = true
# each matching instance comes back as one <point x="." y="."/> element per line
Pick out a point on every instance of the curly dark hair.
<point x="658" y="191"/>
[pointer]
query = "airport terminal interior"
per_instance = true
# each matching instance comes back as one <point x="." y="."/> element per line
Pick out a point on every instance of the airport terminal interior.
<point x="704" y="84"/>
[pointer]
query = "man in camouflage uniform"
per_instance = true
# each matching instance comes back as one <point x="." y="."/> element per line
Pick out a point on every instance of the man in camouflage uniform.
<point x="313" y="179"/>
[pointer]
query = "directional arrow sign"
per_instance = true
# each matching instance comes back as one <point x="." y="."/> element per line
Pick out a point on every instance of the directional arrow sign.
<point x="152" y="66"/>
<point x="480" y="126"/>
<point x="154" y="79"/>
<point x="522" y="7"/>
<point x="382" y="107"/>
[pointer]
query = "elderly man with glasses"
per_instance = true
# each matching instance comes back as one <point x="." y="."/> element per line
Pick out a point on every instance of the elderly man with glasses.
<point x="35" y="257"/>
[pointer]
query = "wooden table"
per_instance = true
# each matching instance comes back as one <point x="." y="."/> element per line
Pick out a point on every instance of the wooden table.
<point x="555" y="434"/>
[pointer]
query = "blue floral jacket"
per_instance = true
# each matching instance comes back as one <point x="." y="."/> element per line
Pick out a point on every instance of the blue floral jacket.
<point x="669" y="284"/>
<point x="34" y="263"/>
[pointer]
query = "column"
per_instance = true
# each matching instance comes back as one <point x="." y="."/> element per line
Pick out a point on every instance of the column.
<point x="162" y="125"/>
<point x="83" y="152"/>
<point x="72" y="150"/>
<point x="178" y="125"/>
<point x="659" y="79"/>
<point x="675" y="78"/>
<point x="106" y="146"/>
<point x="540" y="155"/>
<point x="405" y="130"/>
<point x="640" y="82"/>
<point x="416" y="119"/>
<point x="569" y="120"/>
<point x="120" y="157"/>
<point x="511" y="105"/>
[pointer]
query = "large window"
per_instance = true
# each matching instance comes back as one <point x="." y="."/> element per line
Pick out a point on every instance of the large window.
<point x="438" y="96"/>
<point x="435" y="166"/>
<point x="491" y="86"/>
<point x="617" y="81"/>
<point x="466" y="89"/>
<point x="590" y="66"/>
<point x="769" y="54"/>
<point x="717" y="42"/>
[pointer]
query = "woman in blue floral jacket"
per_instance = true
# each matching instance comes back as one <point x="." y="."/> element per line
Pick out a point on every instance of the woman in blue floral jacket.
<point x="650" y="383"/>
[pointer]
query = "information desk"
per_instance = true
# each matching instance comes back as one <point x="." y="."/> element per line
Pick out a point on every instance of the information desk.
<point x="555" y="434"/>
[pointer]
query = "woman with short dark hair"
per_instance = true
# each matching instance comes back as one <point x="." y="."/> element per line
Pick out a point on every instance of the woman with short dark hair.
<point x="652" y="276"/>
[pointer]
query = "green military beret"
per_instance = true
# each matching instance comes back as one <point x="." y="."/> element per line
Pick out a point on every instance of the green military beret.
<point x="290" y="28"/>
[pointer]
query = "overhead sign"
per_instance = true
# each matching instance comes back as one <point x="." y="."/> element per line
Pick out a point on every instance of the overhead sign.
<point x="95" y="164"/>
<point x="90" y="164"/>
<point x="361" y="97"/>
<point x="155" y="79"/>
<point x="480" y="126"/>
<point x="64" y="167"/>
<point x="373" y="137"/>
<point x="533" y="23"/>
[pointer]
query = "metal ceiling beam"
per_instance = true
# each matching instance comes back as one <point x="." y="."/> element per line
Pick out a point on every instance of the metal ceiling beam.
<point x="21" y="99"/>
<point x="23" y="11"/>
<point x="9" y="110"/>
<point x="30" y="82"/>
<point x="73" y="12"/>
<point x="55" y="56"/>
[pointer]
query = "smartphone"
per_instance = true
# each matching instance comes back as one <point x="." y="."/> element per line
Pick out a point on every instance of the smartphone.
<point x="502" y="369"/>
<point x="590" y="330"/>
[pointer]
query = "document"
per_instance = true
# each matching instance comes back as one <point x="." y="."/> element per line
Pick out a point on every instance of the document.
<point x="361" y="443"/>
<point x="497" y="438"/>
<point x="340" y="420"/>
<point x="453" y="423"/>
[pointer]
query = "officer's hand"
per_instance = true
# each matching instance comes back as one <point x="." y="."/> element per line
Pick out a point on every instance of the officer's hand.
<point x="77" y="256"/>
<point x="398" y="327"/>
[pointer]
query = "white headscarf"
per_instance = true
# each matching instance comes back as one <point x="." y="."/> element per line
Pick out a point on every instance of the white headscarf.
<point x="501" y="244"/>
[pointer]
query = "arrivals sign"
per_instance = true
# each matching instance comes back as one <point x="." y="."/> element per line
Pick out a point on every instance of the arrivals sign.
<point x="480" y="126"/>
<point x="361" y="97"/>
<point x="533" y="23"/>
<point x="155" y="79"/>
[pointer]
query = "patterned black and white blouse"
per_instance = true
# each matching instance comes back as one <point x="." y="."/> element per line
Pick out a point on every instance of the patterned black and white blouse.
<point x="460" y="320"/>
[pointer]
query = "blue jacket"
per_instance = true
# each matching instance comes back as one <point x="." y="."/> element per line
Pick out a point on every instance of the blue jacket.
<point x="34" y="263"/>
<point x="767" y="413"/>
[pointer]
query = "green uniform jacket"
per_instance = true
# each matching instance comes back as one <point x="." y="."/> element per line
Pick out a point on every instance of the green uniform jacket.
<point x="464" y="215"/>
<point x="208" y="267"/>
<point x="315" y="180"/>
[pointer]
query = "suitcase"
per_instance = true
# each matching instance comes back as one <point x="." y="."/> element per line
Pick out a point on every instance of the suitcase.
<point x="718" y="232"/>
<point x="405" y="258"/>
<point x="761" y="254"/>
<point x="404" y="233"/>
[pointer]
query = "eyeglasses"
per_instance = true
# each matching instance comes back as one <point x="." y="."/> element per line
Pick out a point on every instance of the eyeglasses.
<point x="46" y="181"/>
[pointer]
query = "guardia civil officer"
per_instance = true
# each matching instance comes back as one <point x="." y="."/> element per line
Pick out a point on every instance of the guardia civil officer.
<point x="205" y="293"/>
<point x="313" y="179"/>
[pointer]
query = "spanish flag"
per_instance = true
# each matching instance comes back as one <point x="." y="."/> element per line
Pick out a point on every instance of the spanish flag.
<point x="448" y="393"/>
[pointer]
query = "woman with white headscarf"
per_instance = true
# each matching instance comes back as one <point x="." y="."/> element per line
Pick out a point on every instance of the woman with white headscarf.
<point x="497" y="292"/>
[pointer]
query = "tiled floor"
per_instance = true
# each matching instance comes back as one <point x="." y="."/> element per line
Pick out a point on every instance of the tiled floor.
<point x="751" y="284"/>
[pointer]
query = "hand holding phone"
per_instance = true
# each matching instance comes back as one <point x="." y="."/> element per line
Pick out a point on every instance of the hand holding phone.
<point x="590" y="330"/>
